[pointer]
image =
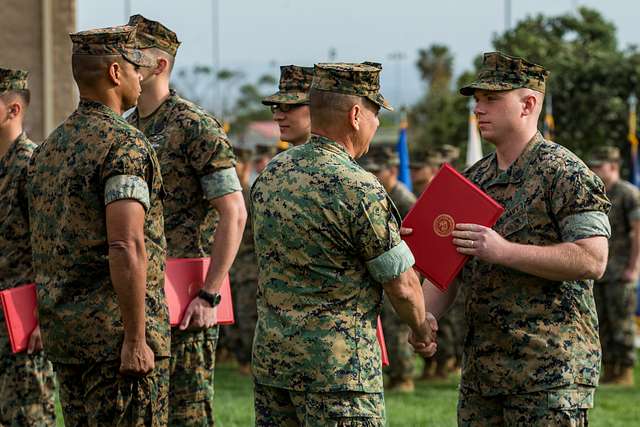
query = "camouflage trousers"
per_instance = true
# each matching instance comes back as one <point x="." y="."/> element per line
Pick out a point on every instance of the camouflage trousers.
<point x="278" y="407"/>
<point x="559" y="407"/>
<point x="616" y="304"/>
<point x="240" y="335"/>
<point x="193" y="356"/>
<point x="396" y="336"/>
<point x="26" y="390"/>
<point x="96" y="394"/>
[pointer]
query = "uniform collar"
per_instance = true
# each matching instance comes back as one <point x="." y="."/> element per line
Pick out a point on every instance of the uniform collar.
<point x="13" y="148"/>
<point x="88" y="106"/>
<point x="330" y="145"/>
<point x="516" y="172"/>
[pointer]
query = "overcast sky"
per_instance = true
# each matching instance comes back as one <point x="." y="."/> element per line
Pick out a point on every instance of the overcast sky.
<point x="255" y="35"/>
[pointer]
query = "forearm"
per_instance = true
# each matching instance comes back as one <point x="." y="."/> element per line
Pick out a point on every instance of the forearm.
<point x="439" y="302"/>
<point x="128" y="267"/>
<point x="226" y="242"/>
<point x="405" y="295"/>
<point x="564" y="261"/>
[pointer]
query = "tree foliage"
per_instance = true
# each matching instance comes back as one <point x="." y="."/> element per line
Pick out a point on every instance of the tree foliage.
<point x="591" y="79"/>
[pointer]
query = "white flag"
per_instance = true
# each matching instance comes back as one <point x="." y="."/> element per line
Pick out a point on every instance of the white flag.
<point x="474" y="146"/>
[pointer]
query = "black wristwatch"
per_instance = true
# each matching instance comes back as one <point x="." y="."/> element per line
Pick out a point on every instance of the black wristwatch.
<point x="212" y="298"/>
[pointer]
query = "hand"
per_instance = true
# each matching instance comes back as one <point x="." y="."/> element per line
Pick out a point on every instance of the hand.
<point x="481" y="242"/>
<point x="198" y="315"/>
<point x="136" y="358"/>
<point x="630" y="275"/>
<point x="35" y="341"/>
<point x="405" y="231"/>
<point x="424" y="341"/>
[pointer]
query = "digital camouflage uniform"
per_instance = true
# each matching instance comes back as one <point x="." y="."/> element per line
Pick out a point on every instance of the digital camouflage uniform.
<point x="615" y="298"/>
<point x="197" y="164"/>
<point x="92" y="159"/>
<point x="326" y="237"/>
<point x="396" y="332"/>
<point x="531" y="353"/>
<point x="26" y="381"/>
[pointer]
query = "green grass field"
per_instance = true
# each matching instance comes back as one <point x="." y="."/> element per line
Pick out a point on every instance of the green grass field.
<point x="432" y="404"/>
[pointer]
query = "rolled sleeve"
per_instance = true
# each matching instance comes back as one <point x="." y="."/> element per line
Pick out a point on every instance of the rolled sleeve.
<point x="122" y="187"/>
<point x="220" y="183"/>
<point x="391" y="264"/>
<point x="584" y="225"/>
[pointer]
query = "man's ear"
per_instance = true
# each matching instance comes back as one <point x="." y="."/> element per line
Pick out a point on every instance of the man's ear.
<point x="162" y="65"/>
<point x="530" y="103"/>
<point x="355" y="115"/>
<point x="115" y="73"/>
<point x="14" y="109"/>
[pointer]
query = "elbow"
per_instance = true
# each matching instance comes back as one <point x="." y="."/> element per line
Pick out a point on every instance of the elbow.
<point x="597" y="269"/>
<point x="241" y="215"/>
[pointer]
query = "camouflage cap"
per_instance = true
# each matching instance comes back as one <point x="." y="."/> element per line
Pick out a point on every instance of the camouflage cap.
<point x="153" y="34"/>
<point x="13" y="80"/>
<point x="504" y="72"/>
<point x="351" y="79"/>
<point x="425" y="157"/>
<point x="449" y="153"/>
<point x="242" y="154"/>
<point x="601" y="155"/>
<point x="265" y="150"/>
<point x="294" y="86"/>
<point x="110" y="41"/>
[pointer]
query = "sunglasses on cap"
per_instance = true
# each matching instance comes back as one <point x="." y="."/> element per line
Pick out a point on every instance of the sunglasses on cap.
<point x="285" y="108"/>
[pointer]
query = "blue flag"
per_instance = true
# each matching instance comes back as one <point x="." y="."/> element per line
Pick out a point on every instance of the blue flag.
<point x="402" y="148"/>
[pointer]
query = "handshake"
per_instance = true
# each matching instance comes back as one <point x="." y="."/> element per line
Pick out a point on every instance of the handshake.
<point x="423" y="339"/>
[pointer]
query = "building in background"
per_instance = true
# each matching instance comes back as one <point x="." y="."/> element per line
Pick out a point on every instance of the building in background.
<point x="34" y="35"/>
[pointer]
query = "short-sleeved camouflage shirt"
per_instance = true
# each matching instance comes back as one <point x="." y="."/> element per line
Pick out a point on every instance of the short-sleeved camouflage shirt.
<point x="326" y="238"/>
<point x="625" y="209"/>
<point x="15" y="247"/>
<point x="197" y="164"/>
<point x="526" y="333"/>
<point x="92" y="159"/>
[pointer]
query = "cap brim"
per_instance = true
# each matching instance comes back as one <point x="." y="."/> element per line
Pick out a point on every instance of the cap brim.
<point x="381" y="101"/>
<point x="286" y="98"/>
<point x="487" y="85"/>
<point x="137" y="57"/>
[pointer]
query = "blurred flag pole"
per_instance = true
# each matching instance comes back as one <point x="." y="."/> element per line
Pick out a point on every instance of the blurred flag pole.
<point x="474" y="145"/>
<point x="403" y="152"/>
<point x="549" y="123"/>
<point x="633" y="140"/>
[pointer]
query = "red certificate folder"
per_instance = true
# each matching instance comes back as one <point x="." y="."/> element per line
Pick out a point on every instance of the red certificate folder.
<point x="183" y="279"/>
<point x="20" y="314"/>
<point x="383" y="345"/>
<point x="449" y="199"/>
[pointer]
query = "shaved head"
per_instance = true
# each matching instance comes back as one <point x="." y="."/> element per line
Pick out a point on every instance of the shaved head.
<point x="324" y="105"/>
<point x="89" y="70"/>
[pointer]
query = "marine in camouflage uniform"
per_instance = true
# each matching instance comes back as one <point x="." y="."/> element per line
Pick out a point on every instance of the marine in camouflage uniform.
<point x="531" y="354"/>
<point x="197" y="164"/>
<point x="289" y="107"/>
<point x="383" y="162"/>
<point x="26" y="380"/>
<point x="616" y="292"/>
<point x="93" y="159"/>
<point x="326" y="238"/>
